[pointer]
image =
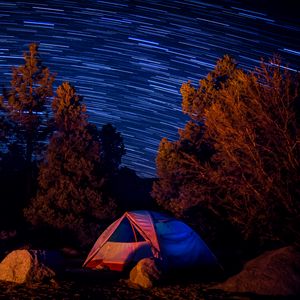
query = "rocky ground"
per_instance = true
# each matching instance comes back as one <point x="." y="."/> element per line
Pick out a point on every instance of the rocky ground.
<point x="279" y="267"/>
<point x="66" y="289"/>
<point x="118" y="288"/>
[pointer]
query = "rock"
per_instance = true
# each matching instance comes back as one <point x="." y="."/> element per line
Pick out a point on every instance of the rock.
<point x="274" y="273"/>
<point x="23" y="266"/>
<point x="145" y="273"/>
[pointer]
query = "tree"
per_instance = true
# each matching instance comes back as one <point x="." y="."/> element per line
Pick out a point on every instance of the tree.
<point x="4" y="127"/>
<point x="12" y="186"/>
<point x="11" y="174"/>
<point x="70" y="194"/>
<point x="31" y="88"/>
<point x="239" y="155"/>
<point x="23" y="132"/>
<point x="112" y="148"/>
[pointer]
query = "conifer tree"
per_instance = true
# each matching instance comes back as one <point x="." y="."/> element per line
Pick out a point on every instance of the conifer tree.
<point x="239" y="154"/>
<point x="30" y="90"/>
<point x="70" y="194"/>
<point x="24" y="131"/>
<point x="112" y="148"/>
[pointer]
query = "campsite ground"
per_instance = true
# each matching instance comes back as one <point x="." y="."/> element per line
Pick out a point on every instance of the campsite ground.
<point x="115" y="289"/>
<point x="80" y="286"/>
<point x="79" y="283"/>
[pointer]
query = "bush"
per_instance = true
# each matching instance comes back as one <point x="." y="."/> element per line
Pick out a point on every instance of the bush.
<point x="239" y="154"/>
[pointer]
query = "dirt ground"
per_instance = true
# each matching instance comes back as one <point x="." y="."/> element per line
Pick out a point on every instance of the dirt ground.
<point x="114" y="289"/>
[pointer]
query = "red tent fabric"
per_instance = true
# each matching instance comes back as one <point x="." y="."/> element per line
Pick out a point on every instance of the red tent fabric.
<point x="140" y="234"/>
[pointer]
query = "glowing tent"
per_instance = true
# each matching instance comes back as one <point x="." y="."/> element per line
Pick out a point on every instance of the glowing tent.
<point x="140" y="234"/>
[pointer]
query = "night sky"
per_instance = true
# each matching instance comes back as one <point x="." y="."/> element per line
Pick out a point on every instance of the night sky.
<point x="129" y="58"/>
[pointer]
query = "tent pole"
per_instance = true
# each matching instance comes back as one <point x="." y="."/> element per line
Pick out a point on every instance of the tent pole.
<point x="135" y="237"/>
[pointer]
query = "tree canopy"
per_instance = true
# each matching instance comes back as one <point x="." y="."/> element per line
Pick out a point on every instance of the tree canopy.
<point x="24" y="132"/>
<point x="239" y="154"/>
<point x="112" y="148"/>
<point x="26" y="99"/>
<point x="70" y="194"/>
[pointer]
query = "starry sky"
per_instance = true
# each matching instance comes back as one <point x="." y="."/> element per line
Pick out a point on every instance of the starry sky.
<point x="129" y="58"/>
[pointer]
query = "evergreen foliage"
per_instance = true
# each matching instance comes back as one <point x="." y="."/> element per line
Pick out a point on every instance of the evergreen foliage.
<point x="112" y="148"/>
<point x="71" y="193"/>
<point x="26" y="100"/>
<point x="23" y="134"/>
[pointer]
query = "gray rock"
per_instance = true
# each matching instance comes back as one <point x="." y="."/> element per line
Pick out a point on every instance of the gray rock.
<point x="23" y="266"/>
<point x="145" y="273"/>
<point x="275" y="273"/>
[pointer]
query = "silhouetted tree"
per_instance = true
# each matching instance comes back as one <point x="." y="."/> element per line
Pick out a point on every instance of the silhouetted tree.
<point x="132" y="192"/>
<point x="239" y="155"/>
<point x="112" y="148"/>
<point x="3" y="128"/>
<point x="70" y="194"/>
<point x="12" y="185"/>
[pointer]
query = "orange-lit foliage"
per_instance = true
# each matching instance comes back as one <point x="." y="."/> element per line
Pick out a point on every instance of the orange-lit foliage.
<point x="70" y="191"/>
<point x="31" y="87"/>
<point x="239" y="156"/>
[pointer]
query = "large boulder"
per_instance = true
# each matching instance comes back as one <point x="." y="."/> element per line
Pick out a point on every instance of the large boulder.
<point x="145" y="273"/>
<point x="273" y="273"/>
<point x="26" y="266"/>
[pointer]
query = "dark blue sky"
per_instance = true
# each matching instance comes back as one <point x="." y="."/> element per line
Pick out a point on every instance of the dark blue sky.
<point x="129" y="58"/>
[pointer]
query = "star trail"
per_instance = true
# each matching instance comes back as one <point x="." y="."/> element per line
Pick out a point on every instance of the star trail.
<point x="129" y="58"/>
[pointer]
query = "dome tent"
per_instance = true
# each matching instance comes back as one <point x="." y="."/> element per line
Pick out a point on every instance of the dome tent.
<point x="141" y="234"/>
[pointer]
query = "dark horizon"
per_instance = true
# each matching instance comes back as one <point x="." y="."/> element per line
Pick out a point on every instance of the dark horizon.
<point x="129" y="58"/>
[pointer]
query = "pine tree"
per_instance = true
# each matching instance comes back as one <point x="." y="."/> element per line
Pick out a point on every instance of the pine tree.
<point x="112" y="148"/>
<point x="239" y="154"/>
<point x="24" y="131"/>
<point x="26" y="100"/>
<point x="70" y="194"/>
